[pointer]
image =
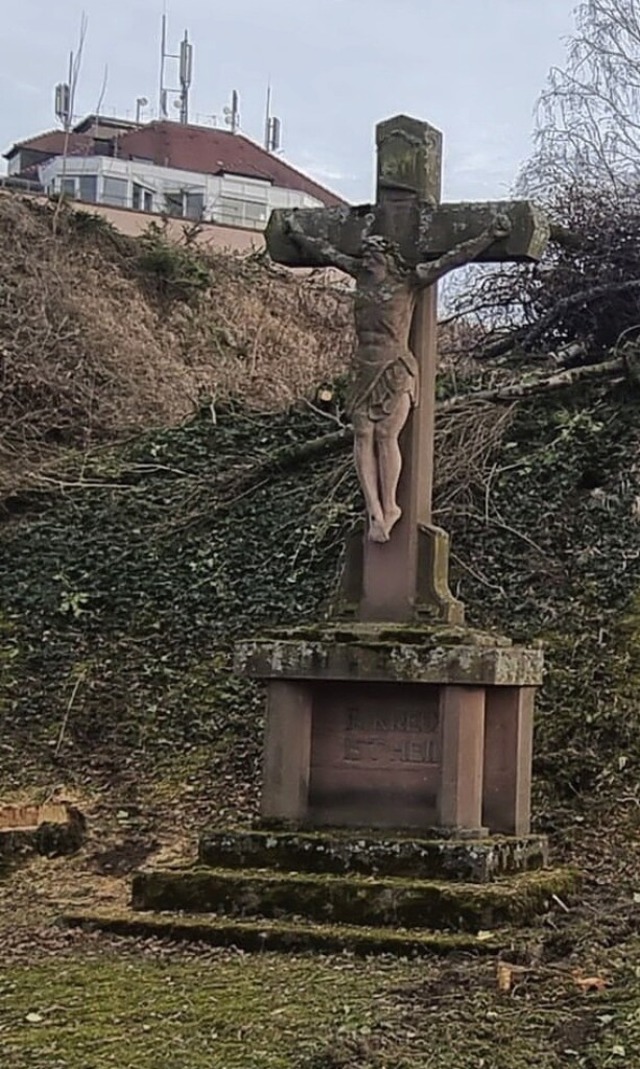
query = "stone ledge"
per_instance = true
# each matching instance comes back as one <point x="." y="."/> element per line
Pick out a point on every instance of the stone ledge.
<point x="426" y="635"/>
<point x="286" y="936"/>
<point x="352" y="900"/>
<point x="52" y="830"/>
<point x="365" y="853"/>
<point x="374" y="656"/>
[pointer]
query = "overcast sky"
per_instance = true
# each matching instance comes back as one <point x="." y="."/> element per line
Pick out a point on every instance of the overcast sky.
<point x="471" y="67"/>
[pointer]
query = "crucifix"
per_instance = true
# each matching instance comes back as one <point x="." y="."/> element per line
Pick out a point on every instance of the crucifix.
<point x="397" y="250"/>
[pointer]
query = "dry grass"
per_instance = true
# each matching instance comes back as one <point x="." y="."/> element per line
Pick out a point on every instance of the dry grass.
<point x="87" y="354"/>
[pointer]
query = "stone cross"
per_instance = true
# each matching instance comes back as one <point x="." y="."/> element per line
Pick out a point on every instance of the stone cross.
<point x="397" y="249"/>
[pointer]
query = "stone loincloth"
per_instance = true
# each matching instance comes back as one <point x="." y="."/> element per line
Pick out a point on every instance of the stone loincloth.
<point x="380" y="380"/>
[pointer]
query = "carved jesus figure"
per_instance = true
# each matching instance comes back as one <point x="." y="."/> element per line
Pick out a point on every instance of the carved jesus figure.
<point x="385" y="371"/>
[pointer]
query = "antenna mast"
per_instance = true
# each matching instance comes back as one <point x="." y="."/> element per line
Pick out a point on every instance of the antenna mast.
<point x="162" y="95"/>
<point x="272" y="127"/>
<point x="267" y="117"/>
<point x="185" y="72"/>
<point x="232" y="114"/>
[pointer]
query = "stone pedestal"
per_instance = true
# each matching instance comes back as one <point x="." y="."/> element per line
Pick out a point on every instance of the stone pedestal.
<point x="384" y="726"/>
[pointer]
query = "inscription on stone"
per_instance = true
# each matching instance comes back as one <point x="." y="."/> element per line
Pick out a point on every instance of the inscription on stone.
<point x="386" y="738"/>
<point x="375" y="755"/>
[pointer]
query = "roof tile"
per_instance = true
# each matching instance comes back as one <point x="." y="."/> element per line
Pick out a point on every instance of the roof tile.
<point x="53" y="142"/>
<point x="210" y="151"/>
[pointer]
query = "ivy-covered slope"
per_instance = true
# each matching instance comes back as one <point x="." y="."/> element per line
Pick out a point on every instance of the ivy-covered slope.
<point x="124" y="585"/>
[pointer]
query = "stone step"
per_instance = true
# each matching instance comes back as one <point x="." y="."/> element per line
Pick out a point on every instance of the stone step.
<point x="358" y="900"/>
<point x="289" y="936"/>
<point x="339" y="852"/>
<point x="52" y="830"/>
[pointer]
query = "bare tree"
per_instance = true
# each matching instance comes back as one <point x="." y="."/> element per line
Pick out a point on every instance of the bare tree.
<point x="588" y="116"/>
<point x="581" y="305"/>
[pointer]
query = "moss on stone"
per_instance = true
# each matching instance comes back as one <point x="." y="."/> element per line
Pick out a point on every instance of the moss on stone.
<point x="422" y="634"/>
<point x="363" y="658"/>
<point x="358" y="900"/>
<point x="283" y="935"/>
<point x="50" y="839"/>
<point x="367" y="853"/>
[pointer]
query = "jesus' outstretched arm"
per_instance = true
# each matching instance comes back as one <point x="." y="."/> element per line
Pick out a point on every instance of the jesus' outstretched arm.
<point x="320" y="249"/>
<point x="465" y="253"/>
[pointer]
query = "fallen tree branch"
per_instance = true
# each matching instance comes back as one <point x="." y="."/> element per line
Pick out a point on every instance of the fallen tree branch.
<point x="581" y="297"/>
<point x="292" y="456"/>
<point x="501" y="345"/>
<point x="238" y="483"/>
<point x="559" y="381"/>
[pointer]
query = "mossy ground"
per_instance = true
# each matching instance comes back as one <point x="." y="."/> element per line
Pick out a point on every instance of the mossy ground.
<point x="226" y="1010"/>
<point x="143" y="1007"/>
<point x="144" y="1002"/>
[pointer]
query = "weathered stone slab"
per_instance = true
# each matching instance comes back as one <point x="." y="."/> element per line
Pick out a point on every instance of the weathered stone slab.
<point x="400" y="662"/>
<point x="375" y="755"/>
<point x="285" y="935"/>
<point x="358" y="900"/>
<point x="52" y="830"/>
<point x="370" y="854"/>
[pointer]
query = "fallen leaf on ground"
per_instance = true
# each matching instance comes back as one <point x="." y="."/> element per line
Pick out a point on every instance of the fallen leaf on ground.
<point x="589" y="983"/>
<point x="504" y="977"/>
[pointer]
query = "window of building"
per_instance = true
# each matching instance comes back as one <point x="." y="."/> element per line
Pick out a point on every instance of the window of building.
<point x="194" y="205"/>
<point x="88" y="188"/>
<point x="247" y="189"/>
<point x="255" y="213"/>
<point x="115" y="191"/>
<point x="235" y="212"/>
<point x="174" y="203"/>
<point x="229" y="211"/>
<point x="68" y="187"/>
<point x="142" y="199"/>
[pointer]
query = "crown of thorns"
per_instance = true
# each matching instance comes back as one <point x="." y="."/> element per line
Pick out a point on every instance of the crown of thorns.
<point x="378" y="243"/>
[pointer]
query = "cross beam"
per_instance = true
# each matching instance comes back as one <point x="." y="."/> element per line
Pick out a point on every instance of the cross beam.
<point x="400" y="571"/>
<point x="423" y="232"/>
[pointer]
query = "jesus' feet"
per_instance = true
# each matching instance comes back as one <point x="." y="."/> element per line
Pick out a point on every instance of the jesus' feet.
<point x="377" y="530"/>
<point x="390" y="520"/>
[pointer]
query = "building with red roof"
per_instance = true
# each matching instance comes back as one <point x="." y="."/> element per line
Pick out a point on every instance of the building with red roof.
<point x="185" y="171"/>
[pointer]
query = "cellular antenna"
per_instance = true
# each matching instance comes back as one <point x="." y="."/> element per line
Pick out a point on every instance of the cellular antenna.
<point x="162" y="96"/>
<point x="185" y="72"/>
<point x="63" y="104"/>
<point x="272" y="127"/>
<point x="232" y="113"/>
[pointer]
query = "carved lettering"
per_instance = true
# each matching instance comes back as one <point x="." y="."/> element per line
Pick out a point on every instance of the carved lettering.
<point x="384" y="749"/>
<point x="407" y="722"/>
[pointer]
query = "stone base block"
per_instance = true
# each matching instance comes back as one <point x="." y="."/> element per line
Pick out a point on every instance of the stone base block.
<point x="52" y="830"/>
<point x="398" y="727"/>
<point x="367" y="854"/>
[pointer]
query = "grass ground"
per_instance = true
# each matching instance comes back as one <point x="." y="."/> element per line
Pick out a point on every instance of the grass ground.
<point x="566" y="994"/>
